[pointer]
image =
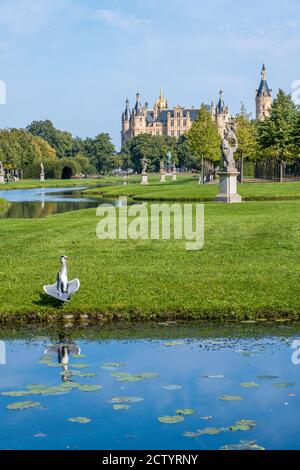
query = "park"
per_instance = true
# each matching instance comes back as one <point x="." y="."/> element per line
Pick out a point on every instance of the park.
<point x="149" y="230"/>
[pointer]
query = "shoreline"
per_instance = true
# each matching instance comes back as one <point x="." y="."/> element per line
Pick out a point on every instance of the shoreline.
<point x="234" y="316"/>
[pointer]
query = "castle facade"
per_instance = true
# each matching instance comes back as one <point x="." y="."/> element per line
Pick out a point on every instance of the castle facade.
<point x="164" y="120"/>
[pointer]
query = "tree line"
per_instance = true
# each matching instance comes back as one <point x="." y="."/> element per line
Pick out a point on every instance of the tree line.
<point x="40" y="141"/>
<point x="277" y="137"/>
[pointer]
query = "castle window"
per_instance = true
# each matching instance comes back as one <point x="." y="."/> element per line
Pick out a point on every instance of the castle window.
<point x="157" y="132"/>
<point x="172" y="122"/>
<point x="178" y="122"/>
<point x="172" y="133"/>
<point x="184" y="122"/>
<point x="178" y="133"/>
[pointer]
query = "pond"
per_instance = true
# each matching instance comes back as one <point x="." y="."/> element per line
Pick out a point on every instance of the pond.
<point x="40" y="202"/>
<point x="165" y="386"/>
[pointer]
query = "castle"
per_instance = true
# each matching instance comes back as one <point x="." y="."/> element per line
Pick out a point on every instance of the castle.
<point x="163" y="120"/>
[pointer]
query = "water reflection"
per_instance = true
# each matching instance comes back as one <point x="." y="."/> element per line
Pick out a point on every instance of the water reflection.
<point x="63" y="349"/>
<point x="41" y="202"/>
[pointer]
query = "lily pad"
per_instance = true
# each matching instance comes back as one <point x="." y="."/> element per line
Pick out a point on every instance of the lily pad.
<point x="185" y="411"/>
<point x="90" y="388"/>
<point x="230" y="398"/>
<point x="77" y="373"/>
<point x="22" y="405"/>
<point x="126" y="399"/>
<point x="171" y="419"/>
<point x="249" y="385"/>
<point x="243" y="425"/>
<point x="210" y="431"/>
<point x="243" y="445"/>
<point x="121" y="407"/>
<point x="81" y="365"/>
<point x="16" y="393"/>
<point x="283" y="384"/>
<point x="79" y="356"/>
<point x="148" y="375"/>
<point x="80" y="420"/>
<point x="113" y="365"/>
<point x="191" y="434"/>
<point x="124" y="377"/>
<point x="45" y="390"/>
<point x="171" y="387"/>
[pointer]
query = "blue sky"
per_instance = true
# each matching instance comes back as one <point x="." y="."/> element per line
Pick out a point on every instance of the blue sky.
<point x="76" y="61"/>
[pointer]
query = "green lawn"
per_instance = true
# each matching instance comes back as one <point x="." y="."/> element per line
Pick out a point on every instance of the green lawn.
<point x="31" y="184"/>
<point x="249" y="267"/>
<point x="187" y="188"/>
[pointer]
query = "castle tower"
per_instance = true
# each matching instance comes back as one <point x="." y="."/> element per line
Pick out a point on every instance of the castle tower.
<point x="222" y="115"/>
<point x="126" y="117"/>
<point x="264" y="98"/>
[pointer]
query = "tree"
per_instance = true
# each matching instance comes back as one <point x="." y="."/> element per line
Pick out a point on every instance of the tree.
<point x="247" y="139"/>
<point x="184" y="155"/>
<point x="154" y="148"/>
<point x="276" y="134"/>
<point x="203" y="138"/>
<point x="61" y="141"/>
<point x="100" y="152"/>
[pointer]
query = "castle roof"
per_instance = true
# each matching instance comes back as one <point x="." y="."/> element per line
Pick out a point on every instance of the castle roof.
<point x="163" y="115"/>
<point x="263" y="89"/>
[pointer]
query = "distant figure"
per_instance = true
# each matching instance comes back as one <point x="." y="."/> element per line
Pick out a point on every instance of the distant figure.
<point x="63" y="289"/>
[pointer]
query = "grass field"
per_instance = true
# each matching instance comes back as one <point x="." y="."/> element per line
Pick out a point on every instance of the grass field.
<point x="249" y="267"/>
<point x="31" y="184"/>
<point x="187" y="188"/>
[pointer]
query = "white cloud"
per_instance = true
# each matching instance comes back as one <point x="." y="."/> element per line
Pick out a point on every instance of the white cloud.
<point x="117" y="19"/>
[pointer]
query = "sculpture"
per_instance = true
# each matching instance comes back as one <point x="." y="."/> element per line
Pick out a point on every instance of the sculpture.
<point x="229" y="147"/>
<point x="228" y="173"/>
<point x="162" y="167"/>
<point x="2" y="174"/>
<point x="63" y="289"/>
<point x="144" y="163"/>
<point x="42" y="175"/>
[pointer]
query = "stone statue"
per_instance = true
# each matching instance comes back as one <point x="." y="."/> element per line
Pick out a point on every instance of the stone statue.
<point x="162" y="167"/>
<point x="42" y="174"/>
<point x="169" y="157"/>
<point x="173" y="169"/>
<point x="229" y="147"/>
<point x="2" y="174"/>
<point x="144" y="163"/>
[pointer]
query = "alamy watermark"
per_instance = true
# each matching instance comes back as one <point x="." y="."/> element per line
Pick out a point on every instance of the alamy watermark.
<point x="296" y="91"/>
<point x="2" y="353"/>
<point x="296" y="353"/>
<point x="152" y="222"/>
<point x="2" y="92"/>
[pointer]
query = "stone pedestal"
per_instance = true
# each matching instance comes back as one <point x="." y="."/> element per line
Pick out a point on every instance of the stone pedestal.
<point x="2" y="179"/>
<point x="162" y="178"/>
<point x="42" y="177"/>
<point x="144" y="179"/>
<point x="174" y="177"/>
<point x="228" y="187"/>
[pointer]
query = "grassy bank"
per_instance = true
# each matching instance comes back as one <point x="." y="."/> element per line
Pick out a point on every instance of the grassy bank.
<point x="32" y="184"/>
<point x="187" y="188"/>
<point x="249" y="268"/>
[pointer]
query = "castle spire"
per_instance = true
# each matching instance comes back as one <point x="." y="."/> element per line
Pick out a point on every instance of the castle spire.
<point x="264" y="97"/>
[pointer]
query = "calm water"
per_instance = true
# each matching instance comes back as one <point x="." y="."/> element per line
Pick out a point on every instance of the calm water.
<point x="196" y="364"/>
<point x="39" y="202"/>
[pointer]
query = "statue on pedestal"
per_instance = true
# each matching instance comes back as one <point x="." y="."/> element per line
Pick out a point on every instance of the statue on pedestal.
<point x="174" y="172"/>
<point x="42" y="174"/>
<point x="2" y="174"/>
<point x="144" y="164"/>
<point x="228" y="173"/>
<point x="229" y="147"/>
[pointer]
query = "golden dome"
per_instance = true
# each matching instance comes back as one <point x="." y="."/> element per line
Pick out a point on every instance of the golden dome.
<point x="161" y="103"/>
